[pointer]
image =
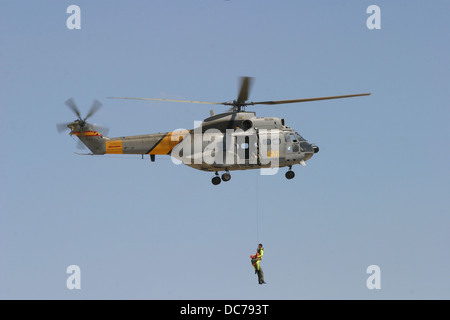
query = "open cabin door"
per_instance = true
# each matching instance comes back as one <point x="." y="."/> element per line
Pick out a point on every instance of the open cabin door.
<point x="269" y="142"/>
<point x="247" y="148"/>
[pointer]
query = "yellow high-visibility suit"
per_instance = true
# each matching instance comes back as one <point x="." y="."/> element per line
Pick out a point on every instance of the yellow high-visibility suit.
<point x="255" y="262"/>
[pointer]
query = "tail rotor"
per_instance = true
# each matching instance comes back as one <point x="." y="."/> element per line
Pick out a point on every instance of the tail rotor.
<point x="80" y="125"/>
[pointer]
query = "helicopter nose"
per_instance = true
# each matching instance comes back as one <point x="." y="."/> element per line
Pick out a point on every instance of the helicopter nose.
<point x="316" y="149"/>
<point x="307" y="147"/>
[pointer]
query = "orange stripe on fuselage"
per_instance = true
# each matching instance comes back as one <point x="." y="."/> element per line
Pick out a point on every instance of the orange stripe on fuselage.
<point x="168" y="142"/>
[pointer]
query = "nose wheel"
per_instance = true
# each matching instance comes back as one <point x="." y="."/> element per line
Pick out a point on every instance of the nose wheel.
<point x="226" y="177"/>
<point x="290" y="174"/>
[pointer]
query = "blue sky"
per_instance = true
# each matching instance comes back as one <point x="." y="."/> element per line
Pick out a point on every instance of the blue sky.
<point x="375" y="194"/>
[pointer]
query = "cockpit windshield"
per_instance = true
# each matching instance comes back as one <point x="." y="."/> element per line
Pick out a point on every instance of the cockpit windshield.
<point x="300" y="138"/>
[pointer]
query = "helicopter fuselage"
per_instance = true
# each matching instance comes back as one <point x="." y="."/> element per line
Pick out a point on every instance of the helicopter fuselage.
<point x="223" y="142"/>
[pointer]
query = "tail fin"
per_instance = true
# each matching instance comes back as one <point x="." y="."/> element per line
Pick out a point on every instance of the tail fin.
<point x="91" y="138"/>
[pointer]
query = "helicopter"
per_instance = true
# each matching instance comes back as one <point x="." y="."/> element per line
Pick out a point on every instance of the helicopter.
<point x="233" y="140"/>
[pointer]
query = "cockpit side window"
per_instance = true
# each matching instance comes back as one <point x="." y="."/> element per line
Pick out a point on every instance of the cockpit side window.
<point x="293" y="137"/>
<point x="287" y="138"/>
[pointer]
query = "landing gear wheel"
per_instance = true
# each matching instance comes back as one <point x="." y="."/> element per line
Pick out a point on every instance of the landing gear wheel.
<point x="290" y="174"/>
<point x="216" y="180"/>
<point x="226" y="177"/>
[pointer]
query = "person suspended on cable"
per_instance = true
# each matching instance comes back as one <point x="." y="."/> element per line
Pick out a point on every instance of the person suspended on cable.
<point x="256" y="259"/>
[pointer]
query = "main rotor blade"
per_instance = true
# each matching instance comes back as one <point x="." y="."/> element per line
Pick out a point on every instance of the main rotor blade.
<point x="72" y="106"/>
<point x="94" y="108"/>
<point x="80" y="145"/>
<point x="61" y="127"/>
<point x="168" y="100"/>
<point x="103" y="130"/>
<point x="308" y="99"/>
<point x="244" y="91"/>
